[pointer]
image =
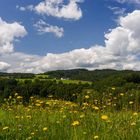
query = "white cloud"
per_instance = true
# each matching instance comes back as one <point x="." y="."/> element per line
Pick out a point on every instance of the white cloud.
<point x="57" y="8"/>
<point x="29" y="7"/>
<point x="117" y="10"/>
<point x="4" y="66"/>
<point x="8" y="33"/>
<point x="43" y="27"/>
<point x="129" y="1"/>
<point x="121" y="51"/>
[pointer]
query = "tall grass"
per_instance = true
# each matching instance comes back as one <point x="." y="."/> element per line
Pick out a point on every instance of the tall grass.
<point x="47" y="119"/>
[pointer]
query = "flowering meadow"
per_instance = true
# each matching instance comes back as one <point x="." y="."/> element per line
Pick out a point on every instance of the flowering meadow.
<point x="88" y="119"/>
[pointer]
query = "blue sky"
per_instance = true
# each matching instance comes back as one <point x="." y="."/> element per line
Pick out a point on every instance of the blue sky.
<point x="89" y="30"/>
<point x="62" y="31"/>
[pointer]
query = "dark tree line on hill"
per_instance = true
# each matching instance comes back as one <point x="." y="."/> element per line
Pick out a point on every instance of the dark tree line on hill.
<point x="27" y="88"/>
<point x="17" y="75"/>
<point x="85" y="75"/>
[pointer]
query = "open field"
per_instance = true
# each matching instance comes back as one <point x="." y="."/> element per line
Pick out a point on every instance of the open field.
<point x="65" y="81"/>
<point x="51" y="119"/>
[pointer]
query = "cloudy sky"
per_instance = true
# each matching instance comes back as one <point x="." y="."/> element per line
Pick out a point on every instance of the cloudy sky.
<point x="42" y="35"/>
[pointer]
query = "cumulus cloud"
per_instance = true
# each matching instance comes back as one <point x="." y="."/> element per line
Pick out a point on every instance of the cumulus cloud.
<point x="121" y="51"/>
<point x="8" y="33"/>
<point x="4" y="66"/>
<point x="57" y="8"/>
<point x="43" y="27"/>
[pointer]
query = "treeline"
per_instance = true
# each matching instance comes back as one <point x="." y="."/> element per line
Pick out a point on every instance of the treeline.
<point x="17" y="75"/>
<point x="28" y="88"/>
<point x="96" y="75"/>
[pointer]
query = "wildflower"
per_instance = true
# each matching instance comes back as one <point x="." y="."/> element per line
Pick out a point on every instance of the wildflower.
<point x="113" y="88"/>
<point x="31" y="97"/>
<point x="104" y="117"/>
<point x="32" y="133"/>
<point x="75" y="123"/>
<point x="96" y="137"/>
<point x="45" y="129"/>
<point x="95" y="107"/>
<point x="64" y="116"/>
<point x="10" y="97"/>
<point x="38" y="105"/>
<point x="131" y="102"/>
<point x="121" y="94"/>
<point x="109" y="103"/>
<point x="84" y="133"/>
<point x="19" y="97"/>
<point x="50" y="96"/>
<point x="5" y="128"/>
<point x="29" y="138"/>
<point x="114" y="104"/>
<point x="104" y="106"/>
<point x="133" y="124"/>
<point x="28" y="109"/>
<point x="37" y="101"/>
<point x="87" y="96"/>
<point x="29" y="117"/>
<point x="82" y="116"/>
<point x="135" y="114"/>
<point x="57" y="122"/>
<point x="17" y="117"/>
<point x="16" y="94"/>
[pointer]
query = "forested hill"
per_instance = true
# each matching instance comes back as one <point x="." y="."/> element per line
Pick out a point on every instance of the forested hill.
<point x="95" y="75"/>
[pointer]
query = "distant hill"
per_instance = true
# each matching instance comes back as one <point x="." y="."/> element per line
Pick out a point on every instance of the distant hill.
<point x="17" y="75"/>
<point x="95" y="75"/>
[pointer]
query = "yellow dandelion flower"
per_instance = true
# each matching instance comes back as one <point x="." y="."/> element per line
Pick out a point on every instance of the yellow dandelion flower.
<point x="16" y="94"/>
<point x="10" y="97"/>
<point x="37" y="101"/>
<point x="75" y="123"/>
<point x="29" y="138"/>
<point x="135" y="114"/>
<point x="121" y="94"/>
<point x="113" y="88"/>
<point x="31" y="97"/>
<point x="87" y="96"/>
<point x="82" y="116"/>
<point x="32" y="133"/>
<point x="96" y="137"/>
<point x="38" y="104"/>
<point x="95" y="107"/>
<point x="64" y="116"/>
<point x="131" y="102"/>
<point x="84" y="133"/>
<point x="45" y="129"/>
<point x="104" y="106"/>
<point x="17" y="117"/>
<point x="133" y="124"/>
<point x="28" y="116"/>
<point x="109" y="103"/>
<point x="5" y="128"/>
<point x="104" y="117"/>
<point x="19" y="97"/>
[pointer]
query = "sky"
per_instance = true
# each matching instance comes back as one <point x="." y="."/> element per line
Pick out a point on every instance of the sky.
<point x="42" y="35"/>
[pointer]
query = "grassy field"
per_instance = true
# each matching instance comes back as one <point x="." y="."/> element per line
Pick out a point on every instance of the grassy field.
<point x="47" y="119"/>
